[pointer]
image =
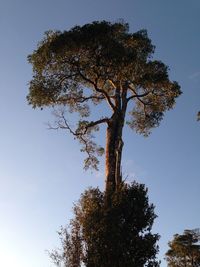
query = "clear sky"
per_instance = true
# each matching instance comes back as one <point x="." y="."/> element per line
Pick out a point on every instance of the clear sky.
<point x="41" y="171"/>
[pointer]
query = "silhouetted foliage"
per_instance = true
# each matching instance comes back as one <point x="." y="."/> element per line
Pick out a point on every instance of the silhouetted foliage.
<point x="198" y="116"/>
<point x="184" y="250"/>
<point x="116" y="235"/>
<point x="101" y="62"/>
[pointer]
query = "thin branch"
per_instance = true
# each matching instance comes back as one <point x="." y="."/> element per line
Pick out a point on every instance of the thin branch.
<point x="65" y="125"/>
<point x="80" y="99"/>
<point x="94" y="123"/>
<point x="99" y="90"/>
<point x="64" y="77"/>
<point x="136" y="95"/>
<point x="82" y="134"/>
<point x="112" y="83"/>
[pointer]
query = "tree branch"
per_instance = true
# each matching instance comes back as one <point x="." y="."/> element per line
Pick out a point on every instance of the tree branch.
<point x="94" y="123"/>
<point x="84" y="136"/>
<point x="80" y="99"/>
<point x="136" y="95"/>
<point x="98" y="90"/>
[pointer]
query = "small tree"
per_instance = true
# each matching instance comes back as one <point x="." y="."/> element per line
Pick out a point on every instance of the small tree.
<point x="184" y="250"/>
<point x="118" y="235"/>
<point x="96" y="63"/>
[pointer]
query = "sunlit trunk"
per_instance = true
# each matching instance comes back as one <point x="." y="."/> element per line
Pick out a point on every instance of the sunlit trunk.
<point x="114" y="145"/>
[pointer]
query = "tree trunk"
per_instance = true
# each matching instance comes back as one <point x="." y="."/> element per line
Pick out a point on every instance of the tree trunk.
<point x="114" y="142"/>
<point x="114" y="145"/>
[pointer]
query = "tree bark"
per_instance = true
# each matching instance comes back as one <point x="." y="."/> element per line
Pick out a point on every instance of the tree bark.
<point x="114" y="142"/>
<point x="114" y="145"/>
<point x="110" y="164"/>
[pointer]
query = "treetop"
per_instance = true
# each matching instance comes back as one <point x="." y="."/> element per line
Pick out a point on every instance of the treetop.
<point x="101" y="62"/>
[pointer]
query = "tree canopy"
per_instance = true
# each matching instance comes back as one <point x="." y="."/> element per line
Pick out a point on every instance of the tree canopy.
<point x="97" y="63"/>
<point x="184" y="250"/>
<point x="116" y="235"/>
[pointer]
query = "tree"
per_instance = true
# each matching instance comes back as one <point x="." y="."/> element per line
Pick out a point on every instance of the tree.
<point x="184" y="250"/>
<point x="118" y="235"/>
<point x="95" y="64"/>
<point x="198" y="116"/>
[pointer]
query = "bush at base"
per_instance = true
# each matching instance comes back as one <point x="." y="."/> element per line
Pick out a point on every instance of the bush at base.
<point x="115" y="235"/>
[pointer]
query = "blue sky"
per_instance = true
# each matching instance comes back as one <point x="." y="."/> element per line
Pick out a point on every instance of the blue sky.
<point x="41" y="172"/>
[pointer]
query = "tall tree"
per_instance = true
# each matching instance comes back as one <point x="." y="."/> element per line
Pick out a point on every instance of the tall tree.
<point x="119" y="235"/>
<point x="96" y="63"/>
<point x="184" y="250"/>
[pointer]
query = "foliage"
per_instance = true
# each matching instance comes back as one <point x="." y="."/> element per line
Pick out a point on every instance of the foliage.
<point x="198" y="116"/>
<point x="101" y="62"/>
<point x="115" y="235"/>
<point x="184" y="250"/>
